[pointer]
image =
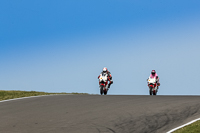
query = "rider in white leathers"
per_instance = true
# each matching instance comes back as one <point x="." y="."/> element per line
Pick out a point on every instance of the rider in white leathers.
<point x="105" y="70"/>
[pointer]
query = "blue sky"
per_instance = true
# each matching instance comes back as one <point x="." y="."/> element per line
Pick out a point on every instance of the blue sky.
<point x="62" y="46"/>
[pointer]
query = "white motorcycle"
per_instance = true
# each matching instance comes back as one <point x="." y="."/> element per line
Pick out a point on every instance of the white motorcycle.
<point x="153" y="88"/>
<point x="103" y="83"/>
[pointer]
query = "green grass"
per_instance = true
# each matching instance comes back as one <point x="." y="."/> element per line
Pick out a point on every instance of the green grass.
<point x="192" y="128"/>
<point x="5" y="95"/>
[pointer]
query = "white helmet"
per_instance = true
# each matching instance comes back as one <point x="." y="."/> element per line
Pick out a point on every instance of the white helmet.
<point x="104" y="69"/>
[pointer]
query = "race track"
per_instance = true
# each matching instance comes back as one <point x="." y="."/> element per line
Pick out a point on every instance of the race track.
<point x="97" y="114"/>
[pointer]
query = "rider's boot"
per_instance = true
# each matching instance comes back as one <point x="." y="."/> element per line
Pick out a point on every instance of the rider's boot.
<point x="108" y="85"/>
<point x="111" y="82"/>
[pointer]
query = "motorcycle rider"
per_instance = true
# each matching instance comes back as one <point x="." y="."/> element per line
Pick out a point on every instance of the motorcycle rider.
<point x="105" y="70"/>
<point x="154" y="75"/>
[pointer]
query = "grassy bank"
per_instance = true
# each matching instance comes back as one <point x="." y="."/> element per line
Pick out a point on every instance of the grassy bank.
<point x="192" y="128"/>
<point x="4" y="95"/>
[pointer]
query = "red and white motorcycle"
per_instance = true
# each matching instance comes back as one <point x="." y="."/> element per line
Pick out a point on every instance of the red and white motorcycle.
<point x="103" y="83"/>
<point x="153" y="87"/>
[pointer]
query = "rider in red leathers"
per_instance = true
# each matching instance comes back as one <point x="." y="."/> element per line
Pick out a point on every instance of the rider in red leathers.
<point x="105" y="70"/>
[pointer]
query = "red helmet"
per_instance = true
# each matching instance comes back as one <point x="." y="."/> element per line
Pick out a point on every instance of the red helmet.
<point x="153" y="72"/>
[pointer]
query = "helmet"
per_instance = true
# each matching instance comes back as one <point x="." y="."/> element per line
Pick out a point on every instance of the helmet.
<point x="105" y="69"/>
<point x="153" y="72"/>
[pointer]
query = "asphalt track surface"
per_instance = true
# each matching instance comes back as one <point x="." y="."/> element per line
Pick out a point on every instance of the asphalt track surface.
<point x="97" y="114"/>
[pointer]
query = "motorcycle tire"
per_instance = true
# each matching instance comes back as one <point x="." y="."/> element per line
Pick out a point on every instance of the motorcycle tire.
<point x="101" y="89"/>
<point x="150" y="91"/>
<point x="105" y="92"/>
<point x="154" y="92"/>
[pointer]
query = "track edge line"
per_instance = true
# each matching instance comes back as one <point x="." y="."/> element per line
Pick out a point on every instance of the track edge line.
<point x="183" y="125"/>
<point x="28" y="97"/>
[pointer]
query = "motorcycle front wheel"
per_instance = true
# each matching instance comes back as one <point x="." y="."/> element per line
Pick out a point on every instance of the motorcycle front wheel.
<point x="101" y="89"/>
<point x="150" y="90"/>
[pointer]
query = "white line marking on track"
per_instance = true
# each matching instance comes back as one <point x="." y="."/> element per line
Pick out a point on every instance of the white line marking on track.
<point x="183" y="125"/>
<point x="29" y="97"/>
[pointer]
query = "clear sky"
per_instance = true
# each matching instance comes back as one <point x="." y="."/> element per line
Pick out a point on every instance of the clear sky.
<point x="62" y="46"/>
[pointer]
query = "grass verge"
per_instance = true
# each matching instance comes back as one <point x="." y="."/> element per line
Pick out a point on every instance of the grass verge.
<point x="192" y="128"/>
<point x="5" y="95"/>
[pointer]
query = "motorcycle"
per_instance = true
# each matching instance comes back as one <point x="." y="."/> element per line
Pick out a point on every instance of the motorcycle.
<point x="153" y="87"/>
<point x="103" y="83"/>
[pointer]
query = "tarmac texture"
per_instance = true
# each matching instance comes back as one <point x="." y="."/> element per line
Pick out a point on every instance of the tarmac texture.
<point x="98" y="114"/>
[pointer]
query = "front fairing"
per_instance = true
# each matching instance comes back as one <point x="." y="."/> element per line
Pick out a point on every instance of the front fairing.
<point x="151" y="80"/>
<point x="152" y="83"/>
<point x="103" y="78"/>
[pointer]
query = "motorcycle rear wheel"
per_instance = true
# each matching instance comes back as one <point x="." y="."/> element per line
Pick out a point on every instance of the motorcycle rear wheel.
<point x="105" y="92"/>
<point x="154" y="92"/>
